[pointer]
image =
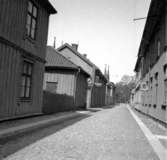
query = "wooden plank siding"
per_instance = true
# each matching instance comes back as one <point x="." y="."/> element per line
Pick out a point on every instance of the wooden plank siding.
<point x="81" y="91"/>
<point x="98" y="96"/>
<point x="15" y="47"/>
<point x="70" y="94"/>
<point x="10" y="83"/>
<point x="13" y="17"/>
<point x="64" y="79"/>
<point x="64" y="97"/>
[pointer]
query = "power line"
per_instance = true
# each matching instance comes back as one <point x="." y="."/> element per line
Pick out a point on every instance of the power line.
<point x="136" y="19"/>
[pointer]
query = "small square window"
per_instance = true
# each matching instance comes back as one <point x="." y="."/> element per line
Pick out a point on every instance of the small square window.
<point x="163" y="107"/>
<point x="51" y="87"/>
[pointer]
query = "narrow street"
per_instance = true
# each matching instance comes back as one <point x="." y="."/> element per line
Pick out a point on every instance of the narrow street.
<point x="110" y="134"/>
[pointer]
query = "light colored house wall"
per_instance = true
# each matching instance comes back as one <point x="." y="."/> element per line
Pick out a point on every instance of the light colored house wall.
<point x="145" y="98"/>
<point x="77" y="60"/>
<point x="65" y="82"/>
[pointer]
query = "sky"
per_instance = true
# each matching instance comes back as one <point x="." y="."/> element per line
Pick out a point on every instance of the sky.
<point x="104" y="29"/>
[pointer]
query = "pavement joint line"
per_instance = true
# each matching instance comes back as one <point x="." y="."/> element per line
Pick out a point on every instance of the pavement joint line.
<point x="161" y="137"/>
<point x="153" y="140"/>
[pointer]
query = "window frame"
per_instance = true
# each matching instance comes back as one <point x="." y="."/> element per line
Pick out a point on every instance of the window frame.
<point x="32" y="17"/>
<point x="25" y="75"/>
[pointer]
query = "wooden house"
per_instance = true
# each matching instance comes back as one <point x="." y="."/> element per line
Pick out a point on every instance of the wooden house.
<point x="97" y="82"/>
<point x="65" y="84"/>
<point x="23" y="37"/>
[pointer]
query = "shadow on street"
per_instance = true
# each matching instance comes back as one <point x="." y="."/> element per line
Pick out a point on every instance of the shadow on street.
<point x="12" y="145"/>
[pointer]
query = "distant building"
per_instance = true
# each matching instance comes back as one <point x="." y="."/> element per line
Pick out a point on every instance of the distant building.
<point x="110" y="88"/>
<point x="23" y="37"/>
<point x="65" y="84"/>
<point x="96" y="83"/>
<point x="150" y="95"/>
<point x="110" y="94"/>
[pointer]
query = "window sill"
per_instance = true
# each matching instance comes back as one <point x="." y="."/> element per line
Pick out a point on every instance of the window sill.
<point x="25" y="99"/>
<point x="29" y="39"/>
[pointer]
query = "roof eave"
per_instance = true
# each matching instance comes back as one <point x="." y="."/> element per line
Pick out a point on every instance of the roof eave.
<point x="49" y="7"/>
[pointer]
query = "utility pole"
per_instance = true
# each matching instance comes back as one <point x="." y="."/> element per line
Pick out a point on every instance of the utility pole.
<point x="142" y="18"/>
<point x="54" y="44"/>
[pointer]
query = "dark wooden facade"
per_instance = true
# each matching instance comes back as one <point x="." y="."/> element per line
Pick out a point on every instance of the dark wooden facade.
<point x="16" y="48"/>
<point x="70" y="93"/>
<point x="98" y="89"/>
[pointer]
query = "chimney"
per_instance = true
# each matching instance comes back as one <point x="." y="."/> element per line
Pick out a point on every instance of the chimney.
<point x="75" y="46"/>
<point x="85" y="55"/>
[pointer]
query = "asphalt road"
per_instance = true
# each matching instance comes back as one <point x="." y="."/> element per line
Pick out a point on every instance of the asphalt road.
<point x="111" y="134"/>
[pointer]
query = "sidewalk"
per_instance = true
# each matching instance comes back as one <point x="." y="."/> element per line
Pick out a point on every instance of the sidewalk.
<point x="157" y="129"/>
<point x="9" y="129"/>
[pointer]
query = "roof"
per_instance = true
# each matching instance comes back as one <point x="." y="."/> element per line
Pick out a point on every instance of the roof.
<point x="155" y="11"/>
<point x="66" y="45"/>
<point x="111" y="84"/>
<point x="48" y="6"/>
<point x="54" y="59"/>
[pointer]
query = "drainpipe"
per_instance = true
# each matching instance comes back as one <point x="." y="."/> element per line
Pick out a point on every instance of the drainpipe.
<point x="75" y="89"/>
<point x="89" y="93"/>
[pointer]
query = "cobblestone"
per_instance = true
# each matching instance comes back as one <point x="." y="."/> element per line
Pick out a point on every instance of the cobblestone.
<point x="111" y="134"/>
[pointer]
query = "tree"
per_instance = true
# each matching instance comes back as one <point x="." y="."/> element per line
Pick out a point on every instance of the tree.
<point x="123" y="90"/>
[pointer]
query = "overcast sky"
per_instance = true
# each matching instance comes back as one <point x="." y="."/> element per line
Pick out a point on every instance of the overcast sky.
<point x="104" y="29"/>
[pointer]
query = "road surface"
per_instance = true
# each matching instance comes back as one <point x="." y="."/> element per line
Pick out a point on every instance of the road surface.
<point x="111" y="134"/>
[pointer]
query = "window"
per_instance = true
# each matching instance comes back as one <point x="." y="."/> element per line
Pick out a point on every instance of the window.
<point x="156" y="86"/>
<point x="165" y="92"/>
<point x="165" y="70"/>
<point x="163" y="107"/>
<point x="31" y="20"/>
<point x="151" y="82"/>
<point x="26" y="82"/>
<point x="156" y="77"/>
<point x="51" y="87"/>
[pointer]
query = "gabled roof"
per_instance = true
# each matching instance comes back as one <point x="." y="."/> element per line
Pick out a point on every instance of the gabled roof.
<point x="66" y="45"/>
<point x="55" y="59"/>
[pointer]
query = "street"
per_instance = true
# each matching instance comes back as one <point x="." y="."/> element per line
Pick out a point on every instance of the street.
<point x="110" y="134"/>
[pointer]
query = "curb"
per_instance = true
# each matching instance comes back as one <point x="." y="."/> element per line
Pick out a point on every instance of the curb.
<point x="20" y="130"/>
